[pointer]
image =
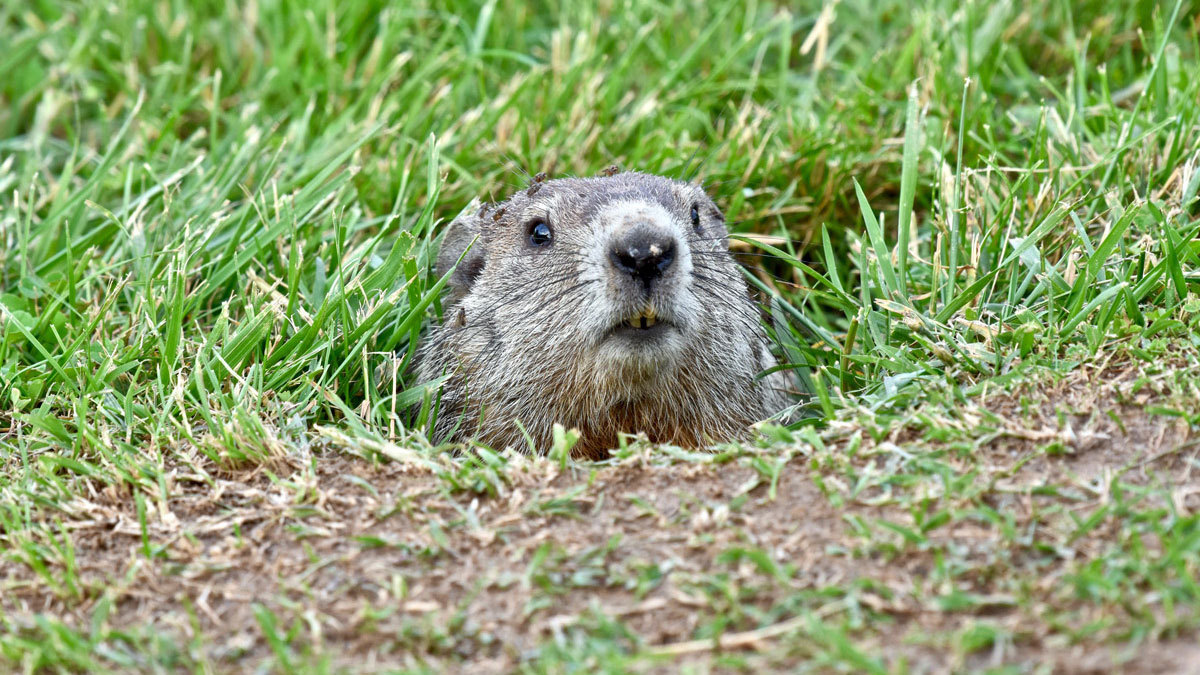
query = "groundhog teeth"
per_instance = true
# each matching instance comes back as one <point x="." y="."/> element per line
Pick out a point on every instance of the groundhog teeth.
<point x="646" y="319"/>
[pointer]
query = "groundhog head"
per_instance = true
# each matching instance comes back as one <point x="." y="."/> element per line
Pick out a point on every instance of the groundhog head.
<point x="607" y="304"/>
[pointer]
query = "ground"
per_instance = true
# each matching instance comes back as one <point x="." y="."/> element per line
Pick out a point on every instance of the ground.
<point x="974" y="230"/>
<point x="850" y="553"/>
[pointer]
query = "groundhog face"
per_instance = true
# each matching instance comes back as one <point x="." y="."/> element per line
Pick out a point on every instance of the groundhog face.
<point x="606" y="304"/>
<point x="618" y="271"/>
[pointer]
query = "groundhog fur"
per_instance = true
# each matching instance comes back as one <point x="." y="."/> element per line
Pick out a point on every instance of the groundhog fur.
<point x="609" y="304"/>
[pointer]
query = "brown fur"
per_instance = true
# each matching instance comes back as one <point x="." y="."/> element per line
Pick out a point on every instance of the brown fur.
<point x="530" y="335"/>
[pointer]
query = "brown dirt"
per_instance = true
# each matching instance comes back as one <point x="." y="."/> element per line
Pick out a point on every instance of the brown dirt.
<point x="377" y="565"/>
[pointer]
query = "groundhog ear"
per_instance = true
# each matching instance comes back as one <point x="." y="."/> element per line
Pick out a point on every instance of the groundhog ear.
<point x="462" y="245"/>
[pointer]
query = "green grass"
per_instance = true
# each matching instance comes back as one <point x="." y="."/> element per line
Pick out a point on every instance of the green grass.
<point x="217" y="225"/>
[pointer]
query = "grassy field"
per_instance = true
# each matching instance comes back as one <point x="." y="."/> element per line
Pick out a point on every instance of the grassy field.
<point x="217" y="221"/>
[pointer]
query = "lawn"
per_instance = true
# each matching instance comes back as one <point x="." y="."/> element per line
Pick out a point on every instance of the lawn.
<point x="974" y="229"/>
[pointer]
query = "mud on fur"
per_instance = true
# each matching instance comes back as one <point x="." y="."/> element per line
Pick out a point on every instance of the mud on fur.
<point x="609" y="304"/>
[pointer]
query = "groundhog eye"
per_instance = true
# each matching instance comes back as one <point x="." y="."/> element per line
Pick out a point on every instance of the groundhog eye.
<point x="695" y="217"/>
<point x="540" y="233"/>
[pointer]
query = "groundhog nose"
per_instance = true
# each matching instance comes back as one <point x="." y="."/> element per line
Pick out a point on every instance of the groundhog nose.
<point x="644" y="252"/>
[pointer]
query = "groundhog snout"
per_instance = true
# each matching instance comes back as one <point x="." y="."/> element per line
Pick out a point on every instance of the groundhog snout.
<point x="643" y="251"/>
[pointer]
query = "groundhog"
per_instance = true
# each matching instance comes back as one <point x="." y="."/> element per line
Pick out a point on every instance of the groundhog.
<point x="608" y="304"/>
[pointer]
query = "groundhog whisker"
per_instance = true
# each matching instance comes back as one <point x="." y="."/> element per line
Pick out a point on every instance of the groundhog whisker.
<point x="736" y="254"/>
<point x="773" y="276"/>
<point x="744" y="327"/>
<point x="549" y="304"/>
<point x="498" y="303"/>
<point x="566" y="255"/>
<point x="713" y="289"/>
<point x="517" y="294"/>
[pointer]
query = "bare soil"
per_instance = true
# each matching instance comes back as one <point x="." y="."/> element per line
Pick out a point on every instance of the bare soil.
<point x="378" y="564"/>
